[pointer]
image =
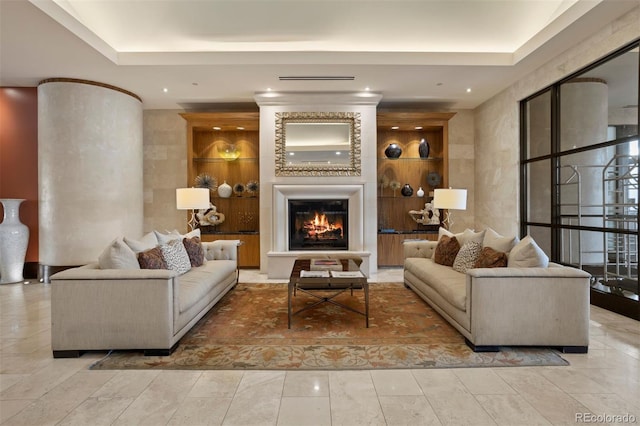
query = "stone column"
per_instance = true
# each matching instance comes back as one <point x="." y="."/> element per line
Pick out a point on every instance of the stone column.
<point x="90" y="167"/>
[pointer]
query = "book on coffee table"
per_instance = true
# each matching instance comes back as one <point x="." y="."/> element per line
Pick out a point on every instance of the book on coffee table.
<point x="314" y="274"/>
<point x="346" y="274"/>
<point x="325" y="265"/>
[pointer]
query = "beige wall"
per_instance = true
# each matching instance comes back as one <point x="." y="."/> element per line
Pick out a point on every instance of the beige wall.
<point x="165" y="169"/>
<point x="462" y="165"/>
<point x="497" y="125"/>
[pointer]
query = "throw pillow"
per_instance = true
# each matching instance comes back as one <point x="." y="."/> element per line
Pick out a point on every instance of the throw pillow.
<point x="152" y="259"/>
<point x="194" y="250"/>
<point x="118" y="255"/>
<point x="471" y="235"/>
<point x="467" y="256"/>
<point x="446" y="250"/>
<point x="527" y="254"/>
<point x="147" y="242"/>
<point x="176" y="257"/>
<point x="498" y="242"/>
<point x="175" y="235"/>
<point x="445" y="232"/>
<point x="490" y="258"/>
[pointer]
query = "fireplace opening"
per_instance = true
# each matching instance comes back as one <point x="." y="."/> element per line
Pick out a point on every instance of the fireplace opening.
<point x="318" y="224"/>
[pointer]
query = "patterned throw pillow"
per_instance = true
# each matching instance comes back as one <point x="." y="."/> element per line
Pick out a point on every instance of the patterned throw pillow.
<point x="467" y="256"/>
<point x="194" y="250"/>
<point x="176" y="257"/>
<point x="490" y="258"/>
<point x="152" y="259"/>
<point x="446" y="250"/>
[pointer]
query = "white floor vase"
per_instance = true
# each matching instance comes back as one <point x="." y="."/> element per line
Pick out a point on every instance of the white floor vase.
<point x="14" y="238"/>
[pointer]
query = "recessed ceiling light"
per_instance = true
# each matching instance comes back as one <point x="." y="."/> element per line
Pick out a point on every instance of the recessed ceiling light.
<point x="268" y="89"/>
<point x="216" y="128"/>
<point x="468" y="89"/>
<point x="240" y="128"/>
<point x="395" y="127"/>
<point x="292" y="153"/>
<point x="418" y="127"/>
<point x="165" y="90"/>
<point x="367" y="88"/>
<point x="338" y="153"/>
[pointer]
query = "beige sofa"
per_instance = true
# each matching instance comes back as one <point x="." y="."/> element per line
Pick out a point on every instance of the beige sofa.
<point x="149" y="309"/>
<point x="493" y="307"/>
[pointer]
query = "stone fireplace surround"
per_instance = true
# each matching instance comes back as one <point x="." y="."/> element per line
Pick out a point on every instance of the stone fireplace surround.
<point x="281" y="258"/>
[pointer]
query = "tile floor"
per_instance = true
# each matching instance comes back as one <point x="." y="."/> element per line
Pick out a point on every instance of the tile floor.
<point x="35" y="389"/>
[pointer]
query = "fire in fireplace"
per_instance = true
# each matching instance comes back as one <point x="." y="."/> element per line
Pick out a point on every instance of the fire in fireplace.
<point x="318" y="224"/>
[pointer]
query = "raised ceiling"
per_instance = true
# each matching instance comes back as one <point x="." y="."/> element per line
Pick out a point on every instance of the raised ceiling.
<point x="224" y="51"/>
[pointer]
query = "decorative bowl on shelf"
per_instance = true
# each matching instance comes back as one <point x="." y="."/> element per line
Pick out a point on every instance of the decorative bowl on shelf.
<point x="228" y="151"/>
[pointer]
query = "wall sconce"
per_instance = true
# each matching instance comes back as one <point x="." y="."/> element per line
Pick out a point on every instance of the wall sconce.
<point x="449" y="199"/>
<point x="192" y="199"/>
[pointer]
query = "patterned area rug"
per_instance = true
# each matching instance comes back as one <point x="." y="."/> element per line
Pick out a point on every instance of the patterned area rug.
<point x="247" y="329"/>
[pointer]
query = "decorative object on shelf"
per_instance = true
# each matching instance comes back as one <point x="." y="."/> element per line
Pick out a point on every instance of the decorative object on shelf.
<point x="420" y="192"/>
<point x="225" y="190"/>
<point x="204" y="180"/>
<point x="434" y="179"/>
<point x="14" y="239"/>
<point x="450" y="199"/>
<point x="424" y="148"/>
<point x="395" y="185"/>
<point x="238" y="189"/>
<point x="228" y="151"/>
<point x="210" y="216"/>
<point x="253" y="187"/>
<point x="393" y="151"/>
<point x="247" y="219"/>
<point x="192" y="199"/>
<point x="407" y="190"/>
<point x="427" y="216"/>
<point x="383" y="181"/>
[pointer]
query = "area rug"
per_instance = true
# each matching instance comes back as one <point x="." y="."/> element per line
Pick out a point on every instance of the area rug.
<point x="247" y="329"/>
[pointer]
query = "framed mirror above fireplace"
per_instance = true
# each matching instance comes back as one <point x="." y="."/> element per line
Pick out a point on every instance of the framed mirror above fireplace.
<point x="317" y="144"/>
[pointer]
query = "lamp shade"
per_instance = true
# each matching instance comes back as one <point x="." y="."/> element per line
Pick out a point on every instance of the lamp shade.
<point x="192" y="198"/>
<point x="453" y="199"/>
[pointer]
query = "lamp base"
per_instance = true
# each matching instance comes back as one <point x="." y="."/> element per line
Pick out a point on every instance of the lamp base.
<point x="193" y="222"/>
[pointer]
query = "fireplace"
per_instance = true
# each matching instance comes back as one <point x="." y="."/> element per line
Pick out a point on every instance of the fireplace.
<point x="318" y="224"/>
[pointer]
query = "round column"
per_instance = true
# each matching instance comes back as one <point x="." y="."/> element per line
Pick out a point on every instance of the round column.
<point x="90" y="170"/>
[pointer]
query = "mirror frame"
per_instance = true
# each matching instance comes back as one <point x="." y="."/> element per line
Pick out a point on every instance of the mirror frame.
<point x="351" y="169"/>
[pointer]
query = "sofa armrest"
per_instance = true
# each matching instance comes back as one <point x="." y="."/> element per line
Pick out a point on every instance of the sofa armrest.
<point x="93" y="272"/>
<point x="221" y="249"/>
<point x="422" y="248"/>
<point x="533" y="273"/>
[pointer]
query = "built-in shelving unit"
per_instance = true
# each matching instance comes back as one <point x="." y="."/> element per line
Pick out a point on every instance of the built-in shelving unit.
<point x="407" y="129"/>
<point x="208" y="134"/>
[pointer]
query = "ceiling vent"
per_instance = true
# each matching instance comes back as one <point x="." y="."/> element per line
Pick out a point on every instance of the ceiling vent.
<point x="316" y="78"/>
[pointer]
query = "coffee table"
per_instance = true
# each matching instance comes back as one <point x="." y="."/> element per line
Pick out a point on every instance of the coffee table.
<point x="318" y="287"/>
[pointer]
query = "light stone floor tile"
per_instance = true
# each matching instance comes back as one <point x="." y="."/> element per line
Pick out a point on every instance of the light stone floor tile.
<point x="12" y="407"/>
<point x="257" y="400"/>
<point x="304" y="411"/>
<point x="439" y="381"/>
<point x="219" y="384"/>
<point x="609" y="403"/>
<point x="355" y="410"/>
<point x="481" y="381"/>
<point x="351" y="383"/>
<point x="459" y="409"/>
<point x="395" y="383"/>
<point x="572" y="381"/>
<point x="306" y="383"/>
<point x="8" y="380"/>
<point x="511" y="410"/>
<point x="126" y="384"/>
<point x="96" y="411"/>
<point x="201" y="412"/>
<point x="408" y="410"/>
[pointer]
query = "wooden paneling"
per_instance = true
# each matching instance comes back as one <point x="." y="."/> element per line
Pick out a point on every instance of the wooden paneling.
<point x="391" y="250"/>
<point x="248" y="252"/>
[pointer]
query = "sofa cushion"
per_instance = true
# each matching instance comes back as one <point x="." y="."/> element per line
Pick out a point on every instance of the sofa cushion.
<point x="527" y="254"/>
<point x="176" y="257"/>
<point x="498" y="242"/>
<point x="446" y="250"/>
<point x="449" y="284"/>
<point x="147" y="242"/>
<point x="152" y="259"/>
<point x="200" y="281"/>
<point x="467" y="256"/>
<point x="118" y="255"/>
<point x="194" y="250"/>
<point x="490" y="258"/>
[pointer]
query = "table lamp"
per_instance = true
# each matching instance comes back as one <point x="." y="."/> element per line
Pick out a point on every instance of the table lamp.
<point x="449" y="199"/>
<point x="192" y="199"/>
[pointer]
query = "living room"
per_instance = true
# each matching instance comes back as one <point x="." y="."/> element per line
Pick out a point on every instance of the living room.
<point x="483" y="144"/>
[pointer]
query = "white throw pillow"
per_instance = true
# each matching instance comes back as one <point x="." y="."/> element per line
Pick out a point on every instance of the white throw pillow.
<point x="175" y="235"/>
<point x="176" y="256"/>
<point x="527" y="254"/>
<point x="467" y="256"/>
<point x="471" y="235"/>
<point x="498" y="242"/>
<point x="145" y="243"/>
<point x="118" y="255"/>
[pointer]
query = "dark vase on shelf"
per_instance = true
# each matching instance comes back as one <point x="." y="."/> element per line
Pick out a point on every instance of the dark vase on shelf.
<point x="393" y="151"/>
<point x="423" y="148"/>
<point x="407" y="190"/>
